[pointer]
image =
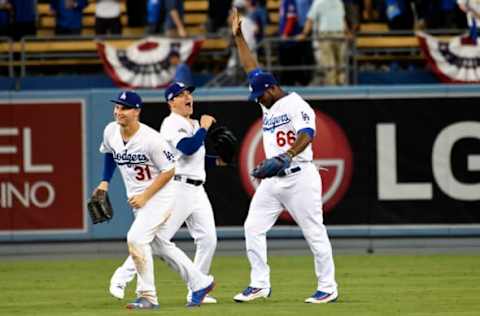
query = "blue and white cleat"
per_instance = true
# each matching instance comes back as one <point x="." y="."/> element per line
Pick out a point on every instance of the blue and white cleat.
<point x="142" y="303"/>
<point x="320" y="297"/>
<point x="207" y="300"/>
<point x="199" y="296"/>
<point x="252" y="293"/>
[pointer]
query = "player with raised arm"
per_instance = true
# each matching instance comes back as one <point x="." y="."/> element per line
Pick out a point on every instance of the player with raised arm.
<point x="186" y="137"/>
<point x="290" y="181"/>
<point x="147" y="166"/>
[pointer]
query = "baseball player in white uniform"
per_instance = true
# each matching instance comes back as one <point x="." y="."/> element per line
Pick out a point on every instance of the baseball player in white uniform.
<point x="186" y="138"/>
<point x="288" y="129"/>
<point x="147" y="166"/>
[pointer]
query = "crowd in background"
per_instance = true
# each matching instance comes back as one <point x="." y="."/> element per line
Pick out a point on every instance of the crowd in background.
<point x="329" y="22"/>
<point x="19" y="17"/>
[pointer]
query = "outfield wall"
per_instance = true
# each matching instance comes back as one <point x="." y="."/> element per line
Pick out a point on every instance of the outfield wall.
<point x="395" y="161"/>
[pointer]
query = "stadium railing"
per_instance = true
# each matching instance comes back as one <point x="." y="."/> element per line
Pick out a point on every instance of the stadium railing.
<point x="82" y="50"/>
<point x="6" y="55"/>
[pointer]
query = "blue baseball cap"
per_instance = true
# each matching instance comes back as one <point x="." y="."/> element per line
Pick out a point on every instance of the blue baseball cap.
<point x="259" y="82"/>
<point x="129" y="99"/>
<point x="175" y="89"/>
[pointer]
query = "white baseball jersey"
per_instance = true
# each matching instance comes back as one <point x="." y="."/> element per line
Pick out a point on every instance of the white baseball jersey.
<point x="141" y="159"/>
<point x="282" y="122"/>
<point x="173" y="129"/>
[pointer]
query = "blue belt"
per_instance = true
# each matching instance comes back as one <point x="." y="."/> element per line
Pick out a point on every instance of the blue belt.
<point x="187" y="180"/>
<point x="289" y="171"/>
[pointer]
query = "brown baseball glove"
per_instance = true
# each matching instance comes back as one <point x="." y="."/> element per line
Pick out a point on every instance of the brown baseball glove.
<point x="99" y="207"/>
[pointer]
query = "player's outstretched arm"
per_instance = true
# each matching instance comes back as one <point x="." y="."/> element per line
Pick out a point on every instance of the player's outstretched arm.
<point x="246" y="58"/>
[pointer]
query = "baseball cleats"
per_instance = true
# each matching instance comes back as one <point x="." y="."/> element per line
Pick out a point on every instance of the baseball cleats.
<point x="320" y="297"/>
<point x="142" y="303"/>
<point x="252" y="293"/>
<point x="199" y="296"/>
<point x="117" y="290"/>
<point x="207" y="299"/>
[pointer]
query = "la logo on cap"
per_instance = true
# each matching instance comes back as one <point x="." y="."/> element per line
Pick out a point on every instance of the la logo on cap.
<point x="123" y="96"/>
<point x="181" y="84"/>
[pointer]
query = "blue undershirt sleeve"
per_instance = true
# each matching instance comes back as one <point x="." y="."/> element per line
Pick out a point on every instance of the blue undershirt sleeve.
<point x="189" y="145"/>
<point x="109" y="166"/>
<point x="309" y="131"/>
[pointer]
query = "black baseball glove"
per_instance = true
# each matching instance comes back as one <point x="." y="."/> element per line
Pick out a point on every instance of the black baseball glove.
<point x="224" y="143"/>
<point x="99" y="207"/>
<point x="272" y="167"/>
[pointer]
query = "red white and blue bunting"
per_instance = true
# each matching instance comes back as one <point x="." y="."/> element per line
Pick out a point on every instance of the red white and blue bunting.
<point x="454" y="61"/>
<point x="144" y="63"/>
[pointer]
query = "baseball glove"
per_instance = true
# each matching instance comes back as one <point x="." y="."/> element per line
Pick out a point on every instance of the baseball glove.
<point x="99" y="207"/>
<point x="224" y="143"/>
<point x="272" y="167"/>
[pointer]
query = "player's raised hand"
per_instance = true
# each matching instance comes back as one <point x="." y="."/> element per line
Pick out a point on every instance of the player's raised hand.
<point x="236" y="22"/>
<point x="206" y="121"/>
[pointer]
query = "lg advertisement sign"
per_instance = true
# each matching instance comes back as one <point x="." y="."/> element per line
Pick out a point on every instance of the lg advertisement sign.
<point x="443" y="172"/>
<point x="41" y="167"/>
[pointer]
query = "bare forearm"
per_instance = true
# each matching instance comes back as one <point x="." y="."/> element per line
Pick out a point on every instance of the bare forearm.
<point x="246" y="57"/>
<point x="307" y="29"/>
<point x="475" y="14"/>
<point x="177" y="20"/>
<point x="299" y="145"/>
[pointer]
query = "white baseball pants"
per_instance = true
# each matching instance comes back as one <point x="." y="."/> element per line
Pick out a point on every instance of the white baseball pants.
<point x="300" y="194"/>
<point x="193" y="207"/>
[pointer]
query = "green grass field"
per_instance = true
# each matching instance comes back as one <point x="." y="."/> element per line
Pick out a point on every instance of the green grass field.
<point x="368" y="285"/>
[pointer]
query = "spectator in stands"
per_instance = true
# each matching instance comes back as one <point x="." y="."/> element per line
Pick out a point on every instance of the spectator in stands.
<point x="5" y="17"/>
<point x="304" y="47"/>
<point x="326" y="18"/>
<point x="24" y="19"/>
<point x="155" y="17"/>
<point x="352" y="14"/>
<point x="174" y="26"/>
<point x="444" y="14"/>
<point x="107" y="17"/>
<point x="472" y="9"/>
<point x="182" y="70"/>
<point x="399" y="14"/>
<point x="218" y="12"/>
<point x="259" y="16"/>
<point x="289" y="48"/>
<point x="69" y="15"/>
<point x="166" y="15"/>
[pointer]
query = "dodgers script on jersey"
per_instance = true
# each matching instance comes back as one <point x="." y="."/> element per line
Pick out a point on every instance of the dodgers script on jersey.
<point x="141" y="159"/>
<point x="173" y="129"/>
<point x="282" y="122"/>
